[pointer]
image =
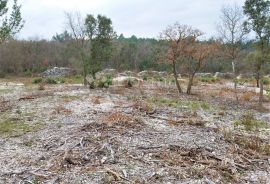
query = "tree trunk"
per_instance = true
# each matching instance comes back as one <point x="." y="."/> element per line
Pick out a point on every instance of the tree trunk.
<point x="190" y="82"/>
<point x="258" y="79"/>
<point x="176" y="78"/>
<point x="235" y="82"/>
<point x="261" y="92"/>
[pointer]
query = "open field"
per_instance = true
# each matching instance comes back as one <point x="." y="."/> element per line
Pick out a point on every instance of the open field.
<point x="143" y="134"/>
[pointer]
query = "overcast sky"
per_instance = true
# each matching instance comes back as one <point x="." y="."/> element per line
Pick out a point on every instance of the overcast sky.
<point x="143" y="18"/>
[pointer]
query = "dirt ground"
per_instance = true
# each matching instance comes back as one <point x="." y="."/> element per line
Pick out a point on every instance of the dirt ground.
<point x="144" y="134"/>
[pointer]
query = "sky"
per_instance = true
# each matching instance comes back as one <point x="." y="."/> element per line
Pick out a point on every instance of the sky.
<point x="143" y="18"/>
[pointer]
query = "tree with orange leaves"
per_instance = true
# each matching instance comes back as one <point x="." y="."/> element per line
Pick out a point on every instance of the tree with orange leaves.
<point x="196" y="54"/>
<point x="179" y="37"/>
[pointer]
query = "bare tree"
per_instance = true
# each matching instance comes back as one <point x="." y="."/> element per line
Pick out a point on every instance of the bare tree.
<point x="76" y="25"/>
<point x="232" y="34"/>
<point x="178" y="37"/>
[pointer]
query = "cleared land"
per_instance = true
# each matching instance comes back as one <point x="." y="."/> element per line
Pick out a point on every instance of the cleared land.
<point x="144" y="134"/>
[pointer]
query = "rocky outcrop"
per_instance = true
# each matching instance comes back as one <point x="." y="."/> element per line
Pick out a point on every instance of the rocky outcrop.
<point x="125" y="80"/>
<point x="58" y="72"/>
<point x="105" y="73"/>
<point x="152" y="74"/>
<point x="203" y="75"/>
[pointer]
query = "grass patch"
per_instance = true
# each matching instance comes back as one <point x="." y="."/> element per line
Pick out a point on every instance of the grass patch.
<point x="249" y="122"/>
<point x="14" y="128"/>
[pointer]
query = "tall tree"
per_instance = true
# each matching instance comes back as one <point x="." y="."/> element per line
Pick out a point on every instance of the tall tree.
<point x="93" y="38"/>
<point x="258" y="14"/>
<point x="232" y="34"/>
<point x="10" y="22"/>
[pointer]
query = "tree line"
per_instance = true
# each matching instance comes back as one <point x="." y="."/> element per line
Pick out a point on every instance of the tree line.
<point x="90" y="44"/>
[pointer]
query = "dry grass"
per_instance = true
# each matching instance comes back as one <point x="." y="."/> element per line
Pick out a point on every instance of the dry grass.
<point x="248" y="96"/>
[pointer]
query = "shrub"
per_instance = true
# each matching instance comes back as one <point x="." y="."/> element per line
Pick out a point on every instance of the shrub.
<point x="51" y="81"/>
<point x="37" y="80"/>
<point x="208" y="79"/>
<point x="62" y="81"/>
<point x="28" y="73"/>
<point x="266" y="81"/>
<point x="145" y="78"/>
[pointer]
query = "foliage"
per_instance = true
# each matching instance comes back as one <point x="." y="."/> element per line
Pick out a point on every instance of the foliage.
<point x="208" y="79"/>
<point x="51" y="81"/>
<point x="37" y="80"/>
<point x="11" y="25"/>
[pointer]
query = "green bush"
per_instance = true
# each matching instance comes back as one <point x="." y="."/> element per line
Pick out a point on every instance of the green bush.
<point x="51" y="81"/>
<point x="266" y="81"/>
<point x="145" y="77"/>
<point x="37" y="80"/>
<point x="28" y="73"/>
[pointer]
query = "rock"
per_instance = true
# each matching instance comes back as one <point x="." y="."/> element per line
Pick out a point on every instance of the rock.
<point x="105" y="73"/>
<point x="245" y="76"/>
<point x="154" y="74"/>
<point x="143" y="73"/>
<point x="89" y="79"/>
<point x="203" y="75"/>
<point x="58" y="72"/>
<point x="124" y="80"/>
<point x="224" y="75"/>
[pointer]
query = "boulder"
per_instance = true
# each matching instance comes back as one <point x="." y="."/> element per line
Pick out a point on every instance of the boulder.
<point x="155" y="74"/>
<point x="124" y="80"/>
<point x="245" y="76"/>
<point x="105" y="73"/>
<point x="226" y="75"/>
<point x="203" y="75"/>
<point x="57" y="72"/>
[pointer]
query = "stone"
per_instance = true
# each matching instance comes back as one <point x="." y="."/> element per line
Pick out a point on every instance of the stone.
<point x="226" y="75"/>
<point x="58" y="72"/>
<point x="203" y="75"/>
<point x="123" y="80"/>
<point x="105" y="73"/>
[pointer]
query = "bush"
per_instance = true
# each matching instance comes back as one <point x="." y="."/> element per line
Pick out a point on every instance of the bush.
<point x="145" y="78"/>
<point x="28" y="73"/>
<point x="51" y="81"/>
<point x="37" y="80"/>
<point x="266" y="81"/>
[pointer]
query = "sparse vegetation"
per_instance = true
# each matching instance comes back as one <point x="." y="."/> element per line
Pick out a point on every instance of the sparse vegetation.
<point x="14" y="128"/>
<point x="249" y="122"/>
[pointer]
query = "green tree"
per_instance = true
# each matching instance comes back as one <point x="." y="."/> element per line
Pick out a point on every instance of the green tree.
<point x="10" y="22"/>
<point x="93" y="40"/>
<point x="258" y="14"/>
